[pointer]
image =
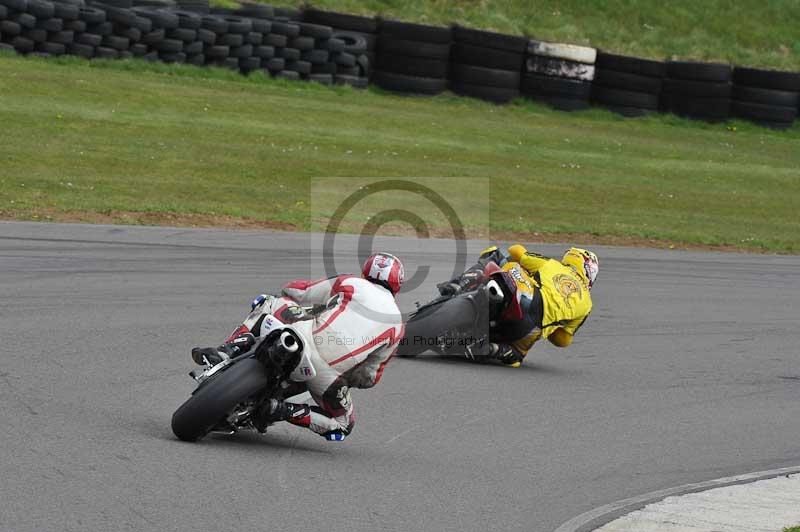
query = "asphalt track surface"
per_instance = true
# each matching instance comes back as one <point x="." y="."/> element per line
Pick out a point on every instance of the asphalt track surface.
<point x="687" y="370"/>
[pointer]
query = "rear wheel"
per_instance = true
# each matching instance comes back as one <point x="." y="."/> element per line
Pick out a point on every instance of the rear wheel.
<point x="214" y="400"/>
<point x="438" y="324"/>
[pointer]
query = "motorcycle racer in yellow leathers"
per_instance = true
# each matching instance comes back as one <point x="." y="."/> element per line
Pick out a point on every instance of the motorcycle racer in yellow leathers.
<point x="554" y="297"/>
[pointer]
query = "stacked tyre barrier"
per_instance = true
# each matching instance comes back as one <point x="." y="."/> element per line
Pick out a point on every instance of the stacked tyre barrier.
<point x="486" y="65"/>
<point x="412" y="57"/>
<point x="627" y="85"/>
<point x="560" y="75"/>
<point x="283" y="46"/>
<point x="697" y="90"/>
<point x="338" y="48"/>
<point x="360" y="38"/>
<point x="34" y="27"/>
<point x="251" y="38"/>
<point x="767" y="97"/>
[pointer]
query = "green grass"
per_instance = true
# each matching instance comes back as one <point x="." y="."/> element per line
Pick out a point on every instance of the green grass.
<point x="792" y="529"/>
<point x="744" y="32"/>
<point x="127" y="136"/>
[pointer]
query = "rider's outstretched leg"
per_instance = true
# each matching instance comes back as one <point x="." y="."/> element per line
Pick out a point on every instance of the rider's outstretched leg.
<point x="215" y="355"/>
<point x="474" y="274"/>
<point x="333" y="417"/>
<point x="331" y="427"/>
<point x="485" y="351"/>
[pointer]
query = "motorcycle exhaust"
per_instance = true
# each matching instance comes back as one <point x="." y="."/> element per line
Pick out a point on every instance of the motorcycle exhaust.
<point x="280" y="348"/>
<point x="287" y="343"/>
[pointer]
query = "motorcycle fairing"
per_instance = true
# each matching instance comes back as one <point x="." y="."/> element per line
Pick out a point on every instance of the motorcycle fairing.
<point x="511" y="287"/>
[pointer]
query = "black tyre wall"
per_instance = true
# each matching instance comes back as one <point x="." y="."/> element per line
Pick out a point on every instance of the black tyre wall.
<point x="411" y="57"/>
<point x="415" y="32"/>
<point x="614" y="79"/>
<point x="767" y="79"/>
<point x="409" y="84"/>
<point x="469" y="54"/>
<point x="488" y="39"/>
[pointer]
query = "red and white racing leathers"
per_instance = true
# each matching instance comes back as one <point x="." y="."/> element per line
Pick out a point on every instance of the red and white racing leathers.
<point x="353" y="339"/>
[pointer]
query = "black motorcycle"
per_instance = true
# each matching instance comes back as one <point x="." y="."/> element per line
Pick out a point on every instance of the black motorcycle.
<point x="462" y="324"/>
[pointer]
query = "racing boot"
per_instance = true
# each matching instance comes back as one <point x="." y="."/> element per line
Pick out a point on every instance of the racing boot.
<point x="215" y="355"/>
<point x="274" y="410"/>
<point x="485" y="351"/>
<point x="507" y="355"/>
<point x="466" y="281"/>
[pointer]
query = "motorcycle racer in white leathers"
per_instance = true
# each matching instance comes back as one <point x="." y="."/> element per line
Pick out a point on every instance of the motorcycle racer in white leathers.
<point x="355" y="327"/>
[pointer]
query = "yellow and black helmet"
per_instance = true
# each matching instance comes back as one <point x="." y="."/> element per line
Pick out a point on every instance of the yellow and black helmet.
<point x="584" y="262"/>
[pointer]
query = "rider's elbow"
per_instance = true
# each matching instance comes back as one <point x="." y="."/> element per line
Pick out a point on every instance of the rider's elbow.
<point x="560" y="338"/>
<point x="517" y="251"/>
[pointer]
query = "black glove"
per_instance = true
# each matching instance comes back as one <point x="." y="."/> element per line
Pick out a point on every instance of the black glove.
<point x="294" y="313"/>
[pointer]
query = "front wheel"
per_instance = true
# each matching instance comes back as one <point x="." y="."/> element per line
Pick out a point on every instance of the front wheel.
<point x="213" y="402"/>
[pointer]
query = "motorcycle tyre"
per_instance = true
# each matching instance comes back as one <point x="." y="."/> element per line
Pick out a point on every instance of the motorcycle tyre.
<point x="213" y="401"/>
<point x="454" y="314"/>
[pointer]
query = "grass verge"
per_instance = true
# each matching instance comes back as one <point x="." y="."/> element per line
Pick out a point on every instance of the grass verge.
<point x="83" y="140"/>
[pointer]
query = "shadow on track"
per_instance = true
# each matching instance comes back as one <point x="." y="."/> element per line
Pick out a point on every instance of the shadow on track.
<point x="262" y="442"/>
<point x="526" y="367"/>
<point x="242" y="440"/>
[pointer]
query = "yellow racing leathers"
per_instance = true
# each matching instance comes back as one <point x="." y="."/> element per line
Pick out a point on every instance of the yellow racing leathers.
<point x="554" y="299"/>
